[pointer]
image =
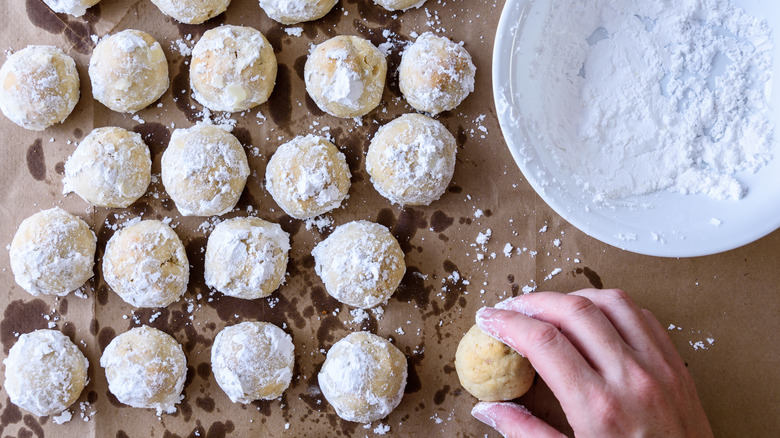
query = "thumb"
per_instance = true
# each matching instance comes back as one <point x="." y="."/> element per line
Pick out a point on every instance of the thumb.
<point x="513" y="421"/>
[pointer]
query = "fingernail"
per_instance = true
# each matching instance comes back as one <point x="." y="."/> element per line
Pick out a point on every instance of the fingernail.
<point x="481" y="412"/>
<point x="506" y="304"/>
<point x="485" y="313"/>
<point x="518" y="304"/>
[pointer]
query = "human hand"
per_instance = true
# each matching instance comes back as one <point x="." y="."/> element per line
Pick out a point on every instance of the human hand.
<point x="611" y="365"/>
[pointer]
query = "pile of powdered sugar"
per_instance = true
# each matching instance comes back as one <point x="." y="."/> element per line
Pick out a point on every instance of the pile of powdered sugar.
<point x="647" y="95"/>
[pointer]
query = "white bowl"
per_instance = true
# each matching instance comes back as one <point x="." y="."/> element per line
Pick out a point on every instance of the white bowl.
<point x="666" y="224"/>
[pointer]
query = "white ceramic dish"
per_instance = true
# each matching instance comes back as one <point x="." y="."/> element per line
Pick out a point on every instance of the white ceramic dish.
<point x="672" y="225"/>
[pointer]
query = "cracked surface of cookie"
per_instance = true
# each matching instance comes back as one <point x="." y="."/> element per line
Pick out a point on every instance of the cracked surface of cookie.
<point x="39" y="86"/>
<point x="146" y="265"/>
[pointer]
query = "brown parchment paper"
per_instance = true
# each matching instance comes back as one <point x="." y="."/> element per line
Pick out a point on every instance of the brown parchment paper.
<point x="723" y="311"/>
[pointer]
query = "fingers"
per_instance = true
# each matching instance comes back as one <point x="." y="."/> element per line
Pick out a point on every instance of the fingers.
<point x="663" y="340"/>
<point x="625" y="316"/>
<point x="513" y="421"/>
<point x="588" y="329"/>
<point x="556" y="360"/>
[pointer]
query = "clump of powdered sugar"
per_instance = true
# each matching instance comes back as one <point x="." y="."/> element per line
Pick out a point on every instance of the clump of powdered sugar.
<point x="651" y="95"/>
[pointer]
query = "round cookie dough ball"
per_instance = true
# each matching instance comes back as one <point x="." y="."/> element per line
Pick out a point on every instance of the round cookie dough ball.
<point x="296" y="11"/>
<point x="45" y="372"/>
<point x="360" y="263"/>
<point x="39" y="86"/>
<point x="345" y="76"/>
<point x="192" y="11"/>
<point x="435" y="74"/>
<point x="146" y="264"/>
<point x="76" y="8"/>
<point x="363" y="377"/>
<point x="253" y="361"/>
<point x="128" y="71"/>
<point x="145" y="368"/>
<point x="489" y="370"/>
<point x="233" y="69"/>
<point x="111" y="167"/>
<point x="399" y="5"/>
<point x="52" y="253"/>
<point x="308" y="176"/>
<point x="204" y="170"/>
<point x="246" y="257"/>
<point x="411" y="160"/>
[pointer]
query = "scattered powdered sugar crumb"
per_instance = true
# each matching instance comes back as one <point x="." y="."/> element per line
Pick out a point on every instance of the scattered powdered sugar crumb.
<point x="508" y="250"/>
<point x="381" y="429"/>
<point x="552" y="274"/>
<point x="483" y="238"/>
<point x="321" y="223"/>
<point x="182" y="46"/>
<point x="543" y="229"/>
<point x="294" y="31"/>
<point x="63" y="418"/>
<point x="358" y="316"/>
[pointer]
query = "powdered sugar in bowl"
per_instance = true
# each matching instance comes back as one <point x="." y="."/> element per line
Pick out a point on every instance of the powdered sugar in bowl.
<point x="649" y="125"/>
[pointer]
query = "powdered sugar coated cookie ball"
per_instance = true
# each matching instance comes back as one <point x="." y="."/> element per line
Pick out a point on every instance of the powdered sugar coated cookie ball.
<point x="246" y="257"/>
<point x="360" y="263"/>
<point x="233" y="69"/>
<point x="145" y="368"/>
<point x="39" y="86"/>
<point x="296" y="11"/>
<point x="308" y="176"/>
<point x="399" y="5"/>
<point x="345" y="76"/>
<point x="128" y="71"/>
<point x="146" y="265"/>
<point x="411" y="160"/>
<point x="192" y="11"/>
<point x="489" y="370"/>
<point x="253" y="361"/>
<point x="204" y="170"/>
<point x="44" y="372"/>
<point x="52" y="253"/>
<point x="111" y="167"/>
<point x="363" y="377"/>
<point x="435" y="74"/>
<point x="77" y="8"/>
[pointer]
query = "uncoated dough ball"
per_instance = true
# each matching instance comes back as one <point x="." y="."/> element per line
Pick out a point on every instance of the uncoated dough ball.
<point x="308" y="176"/>
<point x="145" y="368"/>
<point x="192" y="11"/>
<point x="296" y="11"/>
<point x="146" y="264"/>
<point x="39" y="86"/>
<point x="45" y="372"/>
<point x="489" y="369"/>
<point x="363" y="377"/>
<point x="111" y="167"/>
<point x="204" y="170"/>
<point x="435" y="74"/>
<point x="76" y="8"/>
<point x="128" y="71"/>
<point x="233" y="69"/>
<point x="346" y="76"/>
<point x="52" y="253"/>
<point x="399" y="5"/>
<point x="360" y="263"/>
<point x="411" y="160"/>
<point x="253" y="361"/>
<point x="246" y="257"/>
